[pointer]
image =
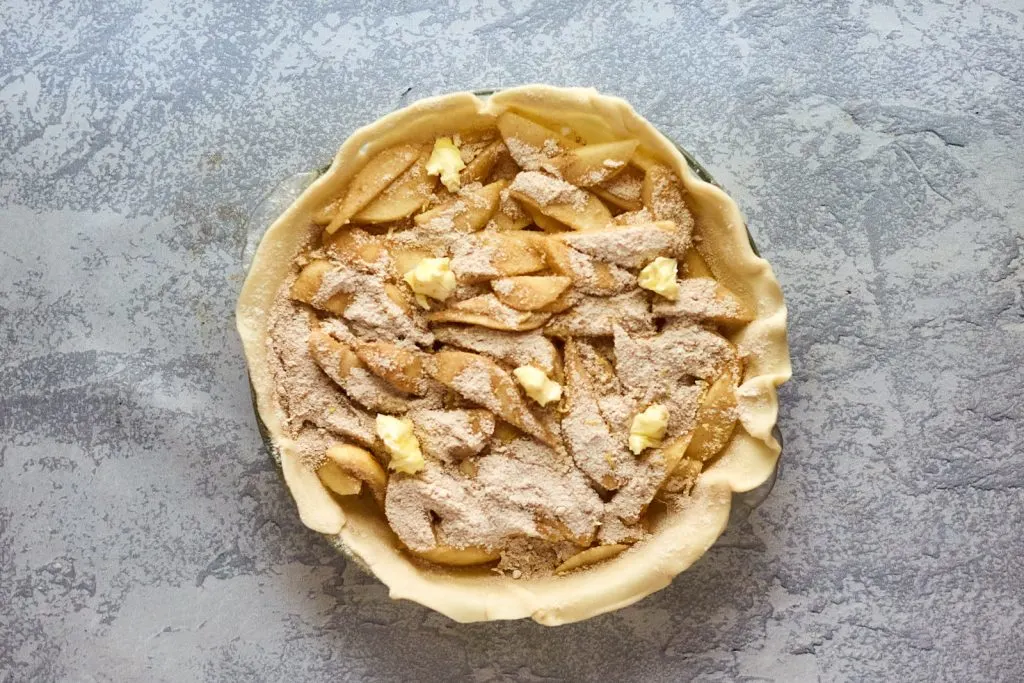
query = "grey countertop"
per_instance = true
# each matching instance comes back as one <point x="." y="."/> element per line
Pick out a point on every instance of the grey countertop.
<point x="876" y="150"/>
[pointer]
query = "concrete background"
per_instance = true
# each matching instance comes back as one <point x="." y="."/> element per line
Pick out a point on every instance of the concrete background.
<point x="877" y="152"/>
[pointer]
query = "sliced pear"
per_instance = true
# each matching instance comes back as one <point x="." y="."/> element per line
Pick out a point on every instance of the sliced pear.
<point x="588" y="275"/>
<point x="530" y="143"/>
<point x="562" y="201"/>
<point x="684" y="476"/>
<point x="530" y="348"/>
<point x="400" y="366"/>
<point x="623" y="190"/>
<point x="590" y="556"/>
<point x="703" y="298"/>
<point x="630" y="246"/>
<point x="511" y="215"/>
<point x="716" y="419"/>
<point x="634" y="217"/>
<point x="530" y="292"/>
<point x="597" y="316"/>
<point x="306" y="288"/>
<point x="593" y="164"/>
<point x="663" y="194"/>
<point x="357" y="248"/>
<point x="457" y="557"/>
<point x="546" y="223"/>
<point x="407" y="258"/>
<point x="487" y="311"/>
<point x="409" y="193"/>
<point x="372" y="179"/>
<point x="480" y="167"/>
<point x="491" y="255"/>
<point x="480" y="380"/>
<point x="343" y="366"/>
<point x="361" y="465"/>
<point x="453" y="435"/>
<point x="467" y="211"/>
<point x="694" y="264"/>
<point x="337" y="481"/>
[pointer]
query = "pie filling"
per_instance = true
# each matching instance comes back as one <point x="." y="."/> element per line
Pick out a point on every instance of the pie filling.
<point x="509" y="341"/>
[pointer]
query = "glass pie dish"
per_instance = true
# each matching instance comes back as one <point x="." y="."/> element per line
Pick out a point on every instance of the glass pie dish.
<point x="743" y="475"/>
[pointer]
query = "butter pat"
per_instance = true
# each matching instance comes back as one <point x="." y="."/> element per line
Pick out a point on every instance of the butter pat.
<point x="659" y="276"/>
<point x="401" y="443"/>
<point x="446" y="161"/>
<point x="648" y="428"/>
<point x="431" y="277"/>
<point x="537" y="385"/>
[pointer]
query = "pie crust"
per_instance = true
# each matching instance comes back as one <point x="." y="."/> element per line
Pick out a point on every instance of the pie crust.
<point x="678" y="537"/>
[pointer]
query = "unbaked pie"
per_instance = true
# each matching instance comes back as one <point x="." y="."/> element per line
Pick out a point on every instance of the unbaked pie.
<point x="514" y="356"/>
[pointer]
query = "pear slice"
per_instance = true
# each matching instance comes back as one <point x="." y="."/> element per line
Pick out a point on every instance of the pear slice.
<point x="529" y="348"/>
<point x="491" y="255"/>
<point x="480" y="167"/>
<point x="400" y="366"/>
<point x="307" y="285"/>
<point x="407" y="258"/>
<point x="487" y="311"/>
<point x="694" y="264"/>
<point x="716" y="419"/>
<point x="530" y="292"/>
<point x="663" y="194"/>
<point x="623" y="190"/>
<point x="597" y="316"/>
<point x="530" y="143"/>
<point x="564" y="202"/>
<point x="457" y="557"/>
<point x="453" y="435"/>
<point x="361" y="465"/>
<point x="590" y="556"/>
<point x="511" y="215"/>
<point x="593" y="164"/>
<point x="409" y="193"/>
<point x="467" y="211"/>
<point x="545" y="223"/>
<point x="480" y="380"/>
<point x="357" y="248"/>
<point x="630" y="246"/>
<point x="683" y="477"/>
<point x="588" y="275"/>
<point x="372" y="179"/>
<point x="343" y="366"/>
<point x="702" y="298"/>
<point x="337" y="481"/>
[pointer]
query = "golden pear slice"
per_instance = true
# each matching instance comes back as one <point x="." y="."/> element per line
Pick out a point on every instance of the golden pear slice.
<point x="564" y="202"/>
<point x="593" y="164"/>
<point x="702" y="298"/>
<point x="307" y="285"/>
<point x="343" y="366"/>
<point x="597" y="316"/>
<point x="623" y="190"/>
<point x="480" y="167"/>
<point x="716" y="419"/>
<point x="530" y="292"/>
<point x="491" y="255"/>
<point x="357" y="248"/>
<point x="453" y="435"/>
<point x="511" y="215"/>
<point x="487" y="311"/>
<point x="683" y="477"/>
<point x="457" y="557"/>
<point x="630" y="246"/>
<point x="337" y="481"/>
<point x="634" y="217"/>
<point x="588" y="275"/>
<point x="400" y="366"/>
<point x="530" y="143"/>
<point x="545" y="223"/>
<point x="372" y="179"/>
<point x="480" y="380"/>
<point x="467" y="211"/>
<point x="361" y="465"/>
<point x="409" y="193"/>
<point x="694" y="264"/>
<point x="590" y="556"/>
<point x="407" y="258"/>
<point x="528" y="348"/>
<point x="663" y="194"/>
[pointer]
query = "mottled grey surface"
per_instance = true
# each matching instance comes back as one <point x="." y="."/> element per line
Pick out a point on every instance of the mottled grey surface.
<point x="877" y="152"/>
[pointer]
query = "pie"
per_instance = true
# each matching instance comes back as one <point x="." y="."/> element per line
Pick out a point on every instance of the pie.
<point x="514" y="356"/>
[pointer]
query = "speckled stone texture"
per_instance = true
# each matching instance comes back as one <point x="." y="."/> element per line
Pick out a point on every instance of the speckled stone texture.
<point x="877" y="152"/>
